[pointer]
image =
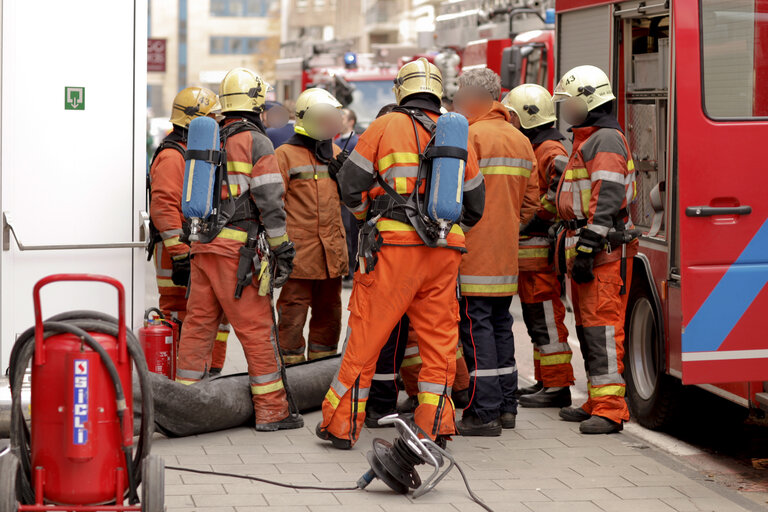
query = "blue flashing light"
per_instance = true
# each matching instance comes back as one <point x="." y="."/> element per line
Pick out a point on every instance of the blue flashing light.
<point x="549" y="16"/>
<point x="350" y="59"/>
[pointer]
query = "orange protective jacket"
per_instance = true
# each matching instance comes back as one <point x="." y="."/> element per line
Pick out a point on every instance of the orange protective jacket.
<point x="167" y="179"/>
<point x="506" y="161"/>
<point x="313" y="210"/>
<point x="389" y="147"/>
<point x="598" y="184"/>
<point x="551" y="158"/>
<point x="251" y="169"/>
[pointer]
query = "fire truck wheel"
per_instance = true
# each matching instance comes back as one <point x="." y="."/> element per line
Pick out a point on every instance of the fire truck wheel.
<point x="9" y="467"/>
<point x="153" y="484"/>
<point x="651" y="393"/>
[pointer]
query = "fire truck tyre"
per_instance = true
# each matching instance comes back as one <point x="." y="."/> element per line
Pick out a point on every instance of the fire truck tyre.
<point x="9" y="467"/>
<point x="651" y="393"/>
<point x="153" y="484"/>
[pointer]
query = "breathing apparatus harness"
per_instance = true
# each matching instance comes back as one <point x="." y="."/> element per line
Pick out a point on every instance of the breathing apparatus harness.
<point x="154" y="233"/>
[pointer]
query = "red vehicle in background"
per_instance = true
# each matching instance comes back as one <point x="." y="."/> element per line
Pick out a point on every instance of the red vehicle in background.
<point x="690" y="80"/>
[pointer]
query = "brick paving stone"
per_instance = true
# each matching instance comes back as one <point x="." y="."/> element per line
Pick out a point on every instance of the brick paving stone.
<point x="716" y="504"/>
<point x="231" y="500"/>
<point x="589" y="482"/>
<point x="302" y="498"/>
<point x="531" y="483"/>
<point x="188" y="490"/>
<point x="588" y="494"/>
<point x="634" y="493"/>
<point x="619" y="505"/>
<point x="287" y="508"/>
<point x="681" y="504"/>
<point x="563" y="506"/>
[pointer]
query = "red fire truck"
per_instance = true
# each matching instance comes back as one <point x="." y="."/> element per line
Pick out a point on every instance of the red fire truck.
<point x="691" y="81"/>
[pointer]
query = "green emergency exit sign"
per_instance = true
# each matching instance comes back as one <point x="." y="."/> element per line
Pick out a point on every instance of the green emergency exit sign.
<point x="74" y="98"/>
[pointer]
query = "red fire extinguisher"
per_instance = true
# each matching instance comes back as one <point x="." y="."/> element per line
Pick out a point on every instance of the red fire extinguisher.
<point x="158" y="341"/>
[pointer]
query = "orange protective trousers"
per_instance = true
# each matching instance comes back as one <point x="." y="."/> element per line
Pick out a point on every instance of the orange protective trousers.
<point x="599" y="310"/>
<point x="213" y="285"/>
<point x="544" y="315"/>
<point x="173" y="304"/>
<point x="421" y="282"/>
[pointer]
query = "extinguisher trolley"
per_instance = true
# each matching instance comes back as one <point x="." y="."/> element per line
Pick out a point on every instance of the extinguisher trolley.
<point x="79" y="454"/>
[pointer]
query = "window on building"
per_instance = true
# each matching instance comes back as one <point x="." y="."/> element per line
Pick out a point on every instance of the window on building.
<point x="234" y="45"/>
<point x="241" y="8"/>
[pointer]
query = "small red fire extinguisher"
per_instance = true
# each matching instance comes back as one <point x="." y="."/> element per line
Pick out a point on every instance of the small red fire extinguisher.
<point x="158" y="343"/>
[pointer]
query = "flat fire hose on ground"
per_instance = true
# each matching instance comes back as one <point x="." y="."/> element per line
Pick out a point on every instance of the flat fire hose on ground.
<point x="225" y="402"/>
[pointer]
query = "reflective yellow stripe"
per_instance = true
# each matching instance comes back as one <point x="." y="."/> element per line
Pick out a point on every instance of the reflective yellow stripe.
<point x="548" y="205"/>
<point x="241" y="167"/>
<point x="506" y="170"/>
<point x="311" y="175"/>
<point x="459" y="353"/>
<point x="536" y="355"/>
<point x="332" y="398"/>
<point x="170" y="242"/>
<point x="397" y="158"/>
<point x="401" y="185"/>
<point x="186" y="382"/>
<point x="554" y="359"/>
<point x="293" y="359"/>
<point x="394" y="225"/>
<point x="576" y="174"/>
<point x="631" y="165"/>
<point x="234" y="190"/>
<point x="613" y="390"/>
<point x="360" y="215"/>
<point x="318" y="355"/>
<point x="274" y="242"/>
<point x="586" y="196"/>
<point x="533" y="253"/>
<point x="410" y="361"/>
<point x="489" y="288"/>
<point x="433" y="399"/>
<point x="167" y="283"/>
<point x="263" y="389"/>
<point x="222" y="336"/>
<point x="233" y="234"/>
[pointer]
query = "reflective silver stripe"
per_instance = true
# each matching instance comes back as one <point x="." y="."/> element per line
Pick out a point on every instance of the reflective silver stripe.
<point x="224" y="327"/>
<point x="264" y="379"/>
<point x="362" y="394"/>
<point x="338" y="387"/>
<point x="508" y="370"/>
<point x="494" y="372"/>
<point x="614" y="177"/>
<point x="362" y="162"/>
<point x="488" y="279"/>
<point x="505" y="161"/>
<point x="308" y="168"/>
<point x="412" y="351"/>
<point x="240" y="179"/>
<point x="161" y="272"/>
<point x="189" y="374"/>
<point x="266" y="179"/>
<point x="561" y="162"/>
<point x="600" y="230"/>
<point x="549" y="317"/>
<point x="603" y="380"/>
<point x="361" y="207"/>
<point x="473" y="183"/>
<point x="276" y="232"/>
<point x="384" y="376"/>
<point x="165" y="235"/>
<point x="409" y="171"/>
<point x="610" y="350"/>
<point x="430" y="387"/>
<point x="536" y="240"/>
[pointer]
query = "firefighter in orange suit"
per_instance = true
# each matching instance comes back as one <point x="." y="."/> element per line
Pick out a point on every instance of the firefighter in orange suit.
<point x="544" y="313"/>
<point x="488" y="276"/>
<point x="398" y="272"/>
<point x="315" y="226"/>
<point x="255" y="200"/>
<point x="169" y="247"/>
<point x="593" y="200"/>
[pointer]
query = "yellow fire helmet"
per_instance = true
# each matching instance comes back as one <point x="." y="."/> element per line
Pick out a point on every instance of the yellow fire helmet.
<point x="418" y="76"/>
<point x="242" y="90"/>
<point x="318" y="114"/>
<point x="193" y="102"/>
<point x="586" y="84"/>
<point x="533" y="105"/>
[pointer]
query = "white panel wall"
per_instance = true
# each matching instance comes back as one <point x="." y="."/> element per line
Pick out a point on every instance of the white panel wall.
<point x="71" y="177"/>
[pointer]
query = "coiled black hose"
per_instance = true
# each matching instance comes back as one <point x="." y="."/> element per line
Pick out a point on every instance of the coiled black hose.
<point x="79" y="323"/>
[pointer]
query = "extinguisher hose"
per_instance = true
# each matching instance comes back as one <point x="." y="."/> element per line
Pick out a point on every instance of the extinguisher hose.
<point x="79" y="323"/>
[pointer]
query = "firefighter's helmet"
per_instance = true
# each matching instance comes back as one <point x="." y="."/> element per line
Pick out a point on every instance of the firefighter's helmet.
<point x="242" y="90"/>
<point x="318" y="114"/>
<point x="586" y="84"/>
<point x="533" y="105"/>
<point x="193" y="102"/>
<point x="419" y="76"/>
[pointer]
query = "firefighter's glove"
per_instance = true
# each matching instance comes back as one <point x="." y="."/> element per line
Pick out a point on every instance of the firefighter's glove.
<point x="284" y="254"/>
<point x="535" y="227"/>
<point x="180" y="272"/>
<point x="589" y="244"/>
<point x="334" y="166"/>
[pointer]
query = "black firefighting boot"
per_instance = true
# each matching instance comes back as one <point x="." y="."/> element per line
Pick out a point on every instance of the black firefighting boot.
<point x="372" y="417"/>
<point x="575" y="414"/>
<point x="409" y="405"/>
<point x="471" y="425"/>
<point x="460" y="398"/>
<point x="338" y="443"/>
<point x="599" y="425"/>
<point x="530" y="389"/>
<point x="547" y="397"/>
<point x="508" y="419"/>
<point x="290" y="422"/>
